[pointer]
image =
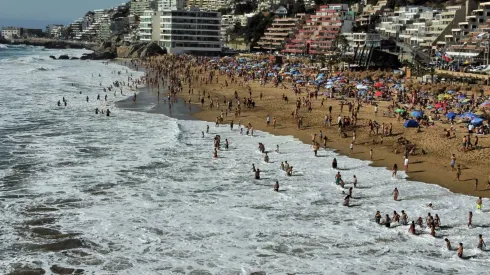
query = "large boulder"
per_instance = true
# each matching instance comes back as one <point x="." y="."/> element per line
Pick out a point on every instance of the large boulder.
<point x="152" y="49"/>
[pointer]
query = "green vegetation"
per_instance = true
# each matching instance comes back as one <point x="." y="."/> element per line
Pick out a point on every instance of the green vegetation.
<point x="256" y="27"/>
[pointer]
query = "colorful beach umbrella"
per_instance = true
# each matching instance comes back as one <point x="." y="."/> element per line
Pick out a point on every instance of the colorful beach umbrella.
<point x="485" y="105"/>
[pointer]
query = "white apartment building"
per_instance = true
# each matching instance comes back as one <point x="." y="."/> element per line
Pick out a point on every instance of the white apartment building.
<point x="190" y="31"/>
<point x="359" y="40"/>
<point x="11" y="32"/>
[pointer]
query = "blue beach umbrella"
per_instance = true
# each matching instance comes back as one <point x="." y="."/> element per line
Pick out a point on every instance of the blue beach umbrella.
<point x="451" y="115"/>
<point x="476" y="121"/>
<point x="417" y="114"/>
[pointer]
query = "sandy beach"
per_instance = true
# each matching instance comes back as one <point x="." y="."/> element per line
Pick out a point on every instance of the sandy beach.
<point x="430" y="163"/>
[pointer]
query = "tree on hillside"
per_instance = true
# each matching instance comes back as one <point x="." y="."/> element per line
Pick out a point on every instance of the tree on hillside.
<point x="299" y="7"/>
<point x="256" y="27"/>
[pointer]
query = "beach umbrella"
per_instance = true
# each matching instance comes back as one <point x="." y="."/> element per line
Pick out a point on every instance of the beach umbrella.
<point x="466" y="101"/>
<point x="378" y="93"/>
<point x="411" y="124"/>
<point x="485" y="105"/>
<point x="417" y="114"/>
<point x="480" y="113"/>
<point x="469" y="115"/>
<point x="451" y="115"/>
<point x="476" y="121"/>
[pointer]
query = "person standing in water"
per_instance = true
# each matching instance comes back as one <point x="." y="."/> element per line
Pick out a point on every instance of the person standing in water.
<point x="470" y="219"/>
<point x="479" y="203"/>
<point x="276" y="186"/>
<point x="355" y="181"/>
<point x="395" y="194"/>
<point x="448" y="244"/>
<point x="460" y="250"/>
<point x="394" y="170"/>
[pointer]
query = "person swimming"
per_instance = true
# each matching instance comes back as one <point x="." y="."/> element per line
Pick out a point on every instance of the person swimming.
<point x="59" y="103"/>
<point x="346" y="200"/>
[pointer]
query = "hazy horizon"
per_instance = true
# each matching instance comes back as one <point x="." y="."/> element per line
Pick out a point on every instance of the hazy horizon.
<point x="38" y="14"/>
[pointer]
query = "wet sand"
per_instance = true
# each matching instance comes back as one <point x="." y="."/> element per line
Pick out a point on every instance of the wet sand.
<point x="149" y="102"/>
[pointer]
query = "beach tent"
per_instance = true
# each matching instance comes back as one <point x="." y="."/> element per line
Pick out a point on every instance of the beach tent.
<point x="411" y="124"/>
<point x="469" y="115"/>
<point x="451" y="115"/>
<point x="417" y="114"/>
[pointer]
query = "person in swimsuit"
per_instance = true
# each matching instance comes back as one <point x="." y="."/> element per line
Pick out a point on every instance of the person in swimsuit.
<point x="377" y="217"/>
<point x="346" y="200"/>
<point x="257" y="174"/>
<point x="448" y="244"/>
<point x="478" y="203"/>
<point x="276" y="186"/>
<point x="453" y="162"/>
<point x="394" y="170"/>
<point x="355" y="181"/>
<point x="266" y="158"/>
<point x="412" y="228"/>
<point x="334" y="163"/>
<point x="470" y="218"/>
<point x="481" y="243"/>
<point x="460" y="250"/>
<point x="404" y="218"/>
<point x="387" y="222"/>
<point x="395" y="194"/>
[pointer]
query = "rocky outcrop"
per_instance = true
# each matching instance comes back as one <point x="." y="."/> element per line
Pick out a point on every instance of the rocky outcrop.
<point x="63" y="57"/>
<point x="74" y="58"/>
<point x="52" y="57"/>
<point x="140" y="50"/>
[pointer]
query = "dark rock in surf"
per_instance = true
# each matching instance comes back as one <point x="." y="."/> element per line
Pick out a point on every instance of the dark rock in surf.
<point x="64" y="57"/>
<point x="63" y="245"/>
<point x="52" y="57"/>
<point x="24" y="270"/>
<point x="74" y="58"/>
<point x="64" y="270"/>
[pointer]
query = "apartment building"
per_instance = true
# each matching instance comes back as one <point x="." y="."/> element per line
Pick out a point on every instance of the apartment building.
<point x="190" y="31"/>
<point x="138" y="7"/>
<point x="361" y="40"/>
<point x="12" y="32"/>
<point x="317" y="34"/>
<point x="279" y="32"/>
<point x="208" y="5"/>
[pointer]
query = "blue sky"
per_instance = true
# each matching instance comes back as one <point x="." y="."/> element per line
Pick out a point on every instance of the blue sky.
<point x="39" y="13"/>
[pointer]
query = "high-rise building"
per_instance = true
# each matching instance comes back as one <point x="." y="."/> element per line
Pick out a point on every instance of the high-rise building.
<point x="172" y="4"/>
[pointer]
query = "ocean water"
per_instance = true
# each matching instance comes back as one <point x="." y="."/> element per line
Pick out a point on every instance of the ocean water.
<point x="140" y="193"/>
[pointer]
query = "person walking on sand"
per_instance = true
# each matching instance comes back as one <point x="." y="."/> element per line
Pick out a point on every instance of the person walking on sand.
<point x="371" y="153"/>
<point x="268" y="120"/>
<point x="395" y="194"/>
<point x="453" y="162"/>
<point x="476" y="184"/>
<point x="405" y="163"/>
<point x="351" y="147"/>
<point x="394" y="170"/>
<point x="458" y="173"/>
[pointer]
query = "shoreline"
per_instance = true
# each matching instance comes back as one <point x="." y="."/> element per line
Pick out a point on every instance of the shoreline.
<point x="429" y="169"/>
